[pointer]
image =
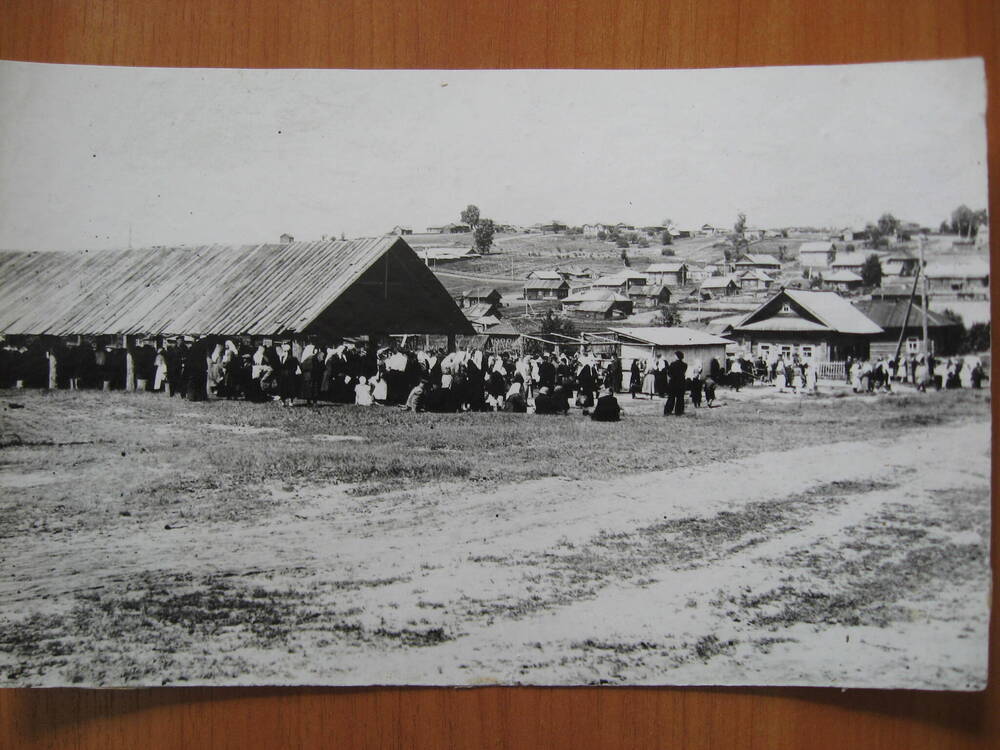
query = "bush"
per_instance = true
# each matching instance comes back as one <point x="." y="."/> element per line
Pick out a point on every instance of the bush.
<point x="643" y="242"/>
<point x="668" y="252"/>
<point x="622" y="242"/>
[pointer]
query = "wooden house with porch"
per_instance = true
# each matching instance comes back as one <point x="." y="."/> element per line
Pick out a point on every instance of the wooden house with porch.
<point x="820" y="326"/>
<point x="605" y="304"/>
<point x="540" y="289"/>
<point x="649" y="296"/>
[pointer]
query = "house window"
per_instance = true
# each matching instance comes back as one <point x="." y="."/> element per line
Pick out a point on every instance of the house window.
<point x="764" y="350"/>
<point x="912" y="345"/>
<point x="786" y="350"/>
<point x="786" y="308"/>
<point x="806" y="351"/>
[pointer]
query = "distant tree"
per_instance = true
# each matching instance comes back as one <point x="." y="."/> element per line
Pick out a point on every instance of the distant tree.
<point x="666" y="239"/>
<point x="849" y="247"/>
<point x="632" y="237"/>
<point x="738" y="237"/>
<point x="871" y="271"/>
<point x="875" y="236"/>
<point x="625" y="260"/>
<point x="553" y="323"/>
<point x="963" y="220"/>
<point x="977" y="339"/>
<point x="887" y="224"/>
<point x="622" y="242"/>
<point x="643" y="242"/>
<point x="945" y="227"/>
<point x="470" y="215"/>
<point x="668" y="252"/>
<point x="668" y="316"/>
<point x="782" y="252"/>
<point x="482" y="235"/>
<point x="667" y="223"/>
<point x="602" y="235"/>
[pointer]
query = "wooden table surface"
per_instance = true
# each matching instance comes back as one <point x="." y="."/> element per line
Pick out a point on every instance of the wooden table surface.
<point x="499" y="34"/>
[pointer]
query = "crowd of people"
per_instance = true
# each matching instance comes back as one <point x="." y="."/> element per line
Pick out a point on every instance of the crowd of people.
<point x="438" y="381"/>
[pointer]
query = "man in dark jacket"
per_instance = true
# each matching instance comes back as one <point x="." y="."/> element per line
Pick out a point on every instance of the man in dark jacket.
<point x="676" y="385"/>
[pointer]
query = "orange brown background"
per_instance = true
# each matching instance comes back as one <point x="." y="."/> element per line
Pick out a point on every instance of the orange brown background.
<point x="503" y="34"/>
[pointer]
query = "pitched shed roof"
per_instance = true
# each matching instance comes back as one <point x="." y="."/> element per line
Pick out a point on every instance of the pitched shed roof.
<point x="673" y="336"/>
<point x="665" y="267"/>
<point x="346" y="287"/>
<point x="545" y="274"/>
<point x="595" y="295"/>
<point x="843" y="276"/>
<point x="759" y="259"/>
<point x="481" y="292"/>
<point x="480" y="310"/>
<point x="967" y="269"/>
<point x="558" y="283"/>
<point x="850" y="259"/>
<point x="890" y="313"/>
<point x="647" y="290"/>
<point x="718" y="282"/>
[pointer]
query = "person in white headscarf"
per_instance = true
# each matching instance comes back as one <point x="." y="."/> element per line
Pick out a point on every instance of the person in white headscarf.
<point x="363" y="392"/>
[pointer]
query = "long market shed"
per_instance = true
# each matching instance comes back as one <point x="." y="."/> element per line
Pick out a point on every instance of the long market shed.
<point x="327" y="289"/>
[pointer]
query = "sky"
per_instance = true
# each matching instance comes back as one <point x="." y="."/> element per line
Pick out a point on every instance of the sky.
<point x="96" y="157"/>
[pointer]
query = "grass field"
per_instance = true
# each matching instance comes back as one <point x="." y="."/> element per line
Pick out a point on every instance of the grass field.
<point x="154" y="540"/>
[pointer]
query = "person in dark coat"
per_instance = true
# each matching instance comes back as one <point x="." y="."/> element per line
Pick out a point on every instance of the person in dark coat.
<point x="585" y="386"/>
<point x="196" y="371"/>
<point x="607" y="408"/>
<point x="676" y="385"/>
<point x="635" y="378"/>
<point x="287" y="370"/>
<point x="546" y="373"/>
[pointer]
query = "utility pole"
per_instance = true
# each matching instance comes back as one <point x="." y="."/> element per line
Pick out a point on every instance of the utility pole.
<point x="923" y="292"/>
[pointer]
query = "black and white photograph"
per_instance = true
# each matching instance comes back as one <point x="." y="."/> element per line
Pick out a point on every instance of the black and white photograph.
<point x="472" y="377"/>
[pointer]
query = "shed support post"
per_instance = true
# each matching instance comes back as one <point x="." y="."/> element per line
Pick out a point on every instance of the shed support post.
<point x="452" y="345"/>
<point x="129" y="364"/>
<point x="53" y="367"/>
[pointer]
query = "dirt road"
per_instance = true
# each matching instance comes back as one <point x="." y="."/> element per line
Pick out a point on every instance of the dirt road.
<point x="856" y="563"/>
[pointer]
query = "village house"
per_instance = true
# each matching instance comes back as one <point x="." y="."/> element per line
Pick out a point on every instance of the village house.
<point x="286" y="239"/>
<point x="853" y="261"/>
<point x="900" y="263"/>
<point x="719" y="286"/>
<point x="575" y="274"/>
<point x="432" y="256"/>
<point x="757" y="261"/>
<point x="855" y="235"/>
<point x="620" y="282"/>
<point x="816" y="257"/>
<point x="890" y="315"/>
<point x="649" y="295"/>
<point x="482" y="310"/>
<point x="545" y="274"/>
<point x="969" y="278"/>
<point x="401" y="230"/>
<point x="646" y="344"/>
<point x="451" y="228"/>
<point x="754" y="281"/>
<point x="668" y="274"/>
<point x="592" y="230"/>
<point x="541" y="289"/>
<point x="481" y="294"/>
<point x="819" y="326"/>
<point x="842" y="281"/>
<point x="598" y="303"/>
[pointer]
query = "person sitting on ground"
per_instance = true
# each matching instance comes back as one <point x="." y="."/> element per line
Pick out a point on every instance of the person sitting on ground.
<point x="606" y="409"/>
<point x="543" y="401"/>
<point x="560" y="400"/>
<point x="363" y="392"/>
<point x="515" y="401"/>
<point x="415" y="401"/>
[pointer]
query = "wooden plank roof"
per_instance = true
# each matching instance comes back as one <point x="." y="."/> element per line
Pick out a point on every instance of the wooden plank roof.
<point x="213" y="289"/>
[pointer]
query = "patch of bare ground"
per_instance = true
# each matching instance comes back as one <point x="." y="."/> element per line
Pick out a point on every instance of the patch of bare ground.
<point x="158" y="624"/>
<point x="873" y="575"/>
<point x="575" y="571"/>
